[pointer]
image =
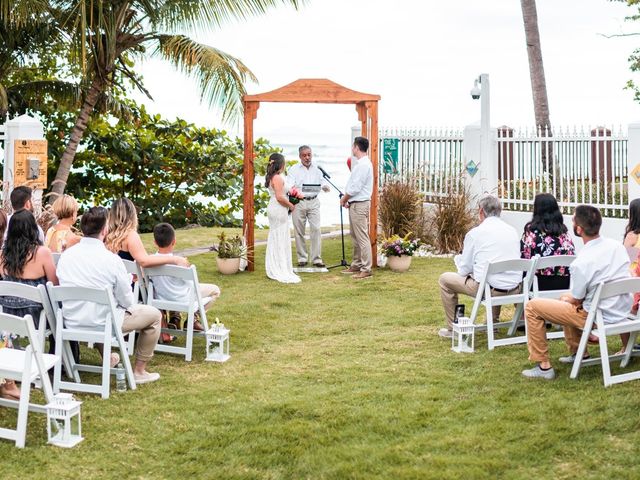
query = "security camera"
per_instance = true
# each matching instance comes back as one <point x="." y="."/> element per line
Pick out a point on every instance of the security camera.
<point x="475" y="91"/>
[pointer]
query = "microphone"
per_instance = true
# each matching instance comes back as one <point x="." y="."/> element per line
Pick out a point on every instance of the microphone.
<point x="324" y="172"/>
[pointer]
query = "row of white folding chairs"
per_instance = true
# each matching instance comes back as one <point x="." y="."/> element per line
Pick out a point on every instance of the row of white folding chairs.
<point x="528" y="288"/>
<point x="143" y="290"/>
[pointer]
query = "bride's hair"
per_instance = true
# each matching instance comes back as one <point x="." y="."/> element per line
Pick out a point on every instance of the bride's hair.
<point x="276" y="162"/>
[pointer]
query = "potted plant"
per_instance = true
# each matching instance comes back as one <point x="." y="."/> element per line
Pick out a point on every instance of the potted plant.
<point x="230" y="252"/>
<point x="399" y="251"/>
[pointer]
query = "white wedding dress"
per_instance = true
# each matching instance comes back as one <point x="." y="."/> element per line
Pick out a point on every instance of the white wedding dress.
<point x="278" y="261"/>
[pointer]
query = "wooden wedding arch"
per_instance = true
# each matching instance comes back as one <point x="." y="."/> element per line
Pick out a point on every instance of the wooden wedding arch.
<point x="309" y="91"/>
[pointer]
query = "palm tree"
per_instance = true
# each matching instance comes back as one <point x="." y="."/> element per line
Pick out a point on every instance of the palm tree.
<point x="24" y="84"/>
<point x="538" y="82"/>
<point x="108" y="37"/>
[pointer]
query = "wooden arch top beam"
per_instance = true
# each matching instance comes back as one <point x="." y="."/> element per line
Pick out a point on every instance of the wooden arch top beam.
<point x="312" y="90"/>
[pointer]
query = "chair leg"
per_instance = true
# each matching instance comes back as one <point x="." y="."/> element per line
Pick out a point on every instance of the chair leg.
<point x="489" y="312"/>
<point x="125" y="359"/>
<point x="516" y="318"/>
<point x="106" y="370"/>
<point x="582" y="347"/>
<point x="629" y="350"/>
<point x="189" y="345"/>
<point x="23" y="405"/>
<point x="604" y="360"/>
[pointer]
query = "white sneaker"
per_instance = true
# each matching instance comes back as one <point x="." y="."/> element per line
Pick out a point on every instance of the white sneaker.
<point x="537" y="372"/>
<point x="445" y="333"/>
<point x="146" y="377"/>
<point x="572" y="358"/>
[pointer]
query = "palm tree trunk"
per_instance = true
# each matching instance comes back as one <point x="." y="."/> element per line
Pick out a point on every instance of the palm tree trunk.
<point x="538" y="82"/>
<point x="98" y="86"/>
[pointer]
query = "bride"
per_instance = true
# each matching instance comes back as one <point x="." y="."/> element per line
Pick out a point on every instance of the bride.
<point x="278" y="260"/>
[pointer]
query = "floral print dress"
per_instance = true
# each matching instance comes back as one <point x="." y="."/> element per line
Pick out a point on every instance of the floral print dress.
<point x="534" y="243"/>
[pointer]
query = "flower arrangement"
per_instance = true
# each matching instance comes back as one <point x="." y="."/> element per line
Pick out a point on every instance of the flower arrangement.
<point x="232" y="248"/>
<point x="396" y="246"/>
<point x="295" y="195"/>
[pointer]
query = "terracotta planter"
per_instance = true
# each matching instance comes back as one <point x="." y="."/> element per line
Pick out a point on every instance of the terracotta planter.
<point x="399" y="264"/>
<point x="228" y="266"/>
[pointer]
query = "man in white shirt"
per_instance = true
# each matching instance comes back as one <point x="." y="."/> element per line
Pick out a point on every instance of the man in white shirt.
<point x="90" y="264"/>
<point x="357" y="199"/>
<point x="601" y="260"/>
<point x="307" y="173"/>
<point x="491" y="241"/>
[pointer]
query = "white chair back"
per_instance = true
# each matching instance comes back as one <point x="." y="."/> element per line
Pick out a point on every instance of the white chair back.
<point x="626" y="286"/>
<point x="110" y="334"/>
<point x="189" y="305"/>
<point x="543" y="263"/>
<point x="27" y="366"/>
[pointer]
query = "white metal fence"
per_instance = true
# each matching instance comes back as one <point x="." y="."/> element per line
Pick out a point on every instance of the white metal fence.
<point x="431" y="157"/>
<point x="576" y="165"/>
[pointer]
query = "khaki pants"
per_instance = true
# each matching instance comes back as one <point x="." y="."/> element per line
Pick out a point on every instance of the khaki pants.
<point x="209" y="290"/>
<point x="541" y="310"/>
<point x="452" y="284"/>
<point x="146" y="321"/>
<point x="308" y="210"/>
<point x="359" y="228"/>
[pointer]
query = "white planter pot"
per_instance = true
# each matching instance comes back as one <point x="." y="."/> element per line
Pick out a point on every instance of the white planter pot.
<point x="228" y="266"/>
<point x="399" y="264"/>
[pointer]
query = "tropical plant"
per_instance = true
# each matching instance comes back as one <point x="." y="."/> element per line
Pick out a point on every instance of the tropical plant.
<point x="232" y="248"/>
<point x="400" y="208"/>
<point x="108" y="37"/>
<point x="452" y="217"/>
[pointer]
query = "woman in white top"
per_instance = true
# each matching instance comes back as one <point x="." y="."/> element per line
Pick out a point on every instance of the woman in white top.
<point x="278" y="261"/>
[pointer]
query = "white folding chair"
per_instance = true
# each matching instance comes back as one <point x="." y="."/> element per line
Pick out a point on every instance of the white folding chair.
<point x="26" y="366"/>
<point x="194" y="302"/>
<point x="56" y="258"/>
<point x="47" y="318"/>
<point x="534" y="292"/>
<point x="485" y="299"/>
<point x="109" y="335"/>
<point x="139" y="294"/>
<point x="631" y="325"/>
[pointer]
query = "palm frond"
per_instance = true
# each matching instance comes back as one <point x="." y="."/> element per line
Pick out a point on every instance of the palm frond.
<point x="204" y="14"/>
<point x="33" y="95"/>
<point x="221" y="76"/>
<point x="22" y="12"/>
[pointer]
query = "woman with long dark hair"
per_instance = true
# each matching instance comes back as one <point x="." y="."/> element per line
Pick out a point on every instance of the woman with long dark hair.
<point x="546" y="235"/>
<point x="278" y="261"/>
<point x="24" y="260"/>
<point x="632" y="231"/>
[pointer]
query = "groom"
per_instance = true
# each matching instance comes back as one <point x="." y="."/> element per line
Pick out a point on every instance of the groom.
<point x="357" y="199"/>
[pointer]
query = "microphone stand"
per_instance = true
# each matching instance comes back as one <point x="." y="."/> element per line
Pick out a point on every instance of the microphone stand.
<point x="343" y="262"/>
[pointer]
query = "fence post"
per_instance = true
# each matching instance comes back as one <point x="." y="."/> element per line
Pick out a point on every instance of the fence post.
<point x="601" y="154"/>
<point x="633" y="162"/>
<point x="481" y="175"/>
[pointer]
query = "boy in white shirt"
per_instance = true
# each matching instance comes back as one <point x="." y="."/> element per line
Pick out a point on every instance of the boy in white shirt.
<point x="173" y="289"/>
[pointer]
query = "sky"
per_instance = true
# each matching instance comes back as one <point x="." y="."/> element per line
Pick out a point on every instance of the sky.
<point x="421" y="56"/>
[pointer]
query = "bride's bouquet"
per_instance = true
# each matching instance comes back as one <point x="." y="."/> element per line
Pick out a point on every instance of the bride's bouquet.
<point x="295" y="196"/>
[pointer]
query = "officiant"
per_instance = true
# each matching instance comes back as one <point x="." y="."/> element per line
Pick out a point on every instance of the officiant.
<point x="307" y="177"/>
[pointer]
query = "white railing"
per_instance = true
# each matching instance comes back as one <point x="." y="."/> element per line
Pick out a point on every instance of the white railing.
<point x="586" y="165"/>
<point x="432" y="157"/>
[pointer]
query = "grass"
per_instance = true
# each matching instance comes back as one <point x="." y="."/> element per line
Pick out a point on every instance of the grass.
<point x="187" y="238"/>
<point x="334" y="379"/>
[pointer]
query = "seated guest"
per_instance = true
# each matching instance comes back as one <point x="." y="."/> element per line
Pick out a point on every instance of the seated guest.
<point x="632" y="232"/>
<point x="90" y="264"/>
<point x="124" y="240"/>
<point x="25" y="260"/>
<point x="174" y="289"/>
<point x="491" y="241"/>
<point x="546" y="235"/>
<point x="20" y="199"/>
<point x="60" y="236"/>
<point x="601" y="260"/>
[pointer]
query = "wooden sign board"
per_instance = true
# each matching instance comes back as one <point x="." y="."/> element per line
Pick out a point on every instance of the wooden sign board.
<point x="30" y="163"/>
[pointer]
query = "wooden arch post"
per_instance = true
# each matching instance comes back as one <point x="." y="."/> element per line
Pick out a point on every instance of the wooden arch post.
<point x="309" y="91"/>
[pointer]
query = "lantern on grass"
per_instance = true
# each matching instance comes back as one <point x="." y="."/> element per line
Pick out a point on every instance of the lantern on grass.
<point x="64" y="427"/>
<point x="463" y="338"/>
<point x="217" y="343"/>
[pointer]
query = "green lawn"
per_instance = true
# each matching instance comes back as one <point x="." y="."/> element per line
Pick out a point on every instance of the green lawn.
<point x="334" y="379"/>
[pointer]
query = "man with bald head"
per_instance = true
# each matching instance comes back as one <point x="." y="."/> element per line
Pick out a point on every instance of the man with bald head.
<point x="308" y="210"/>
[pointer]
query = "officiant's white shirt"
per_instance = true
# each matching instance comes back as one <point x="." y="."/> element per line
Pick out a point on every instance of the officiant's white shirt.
<point x="299" y="175"/>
